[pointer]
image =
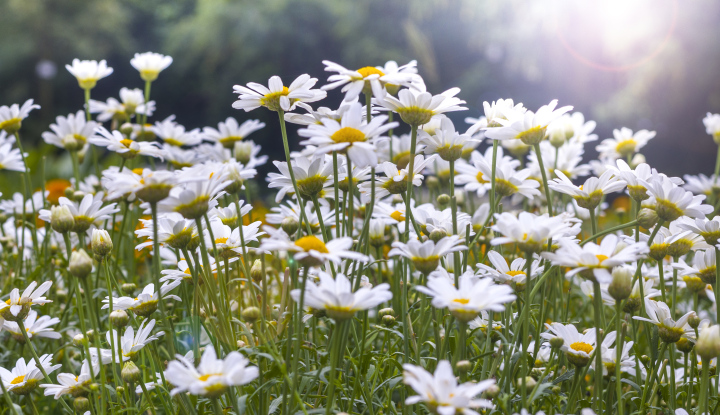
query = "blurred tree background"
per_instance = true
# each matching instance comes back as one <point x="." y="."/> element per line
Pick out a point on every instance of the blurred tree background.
<point x="637" y="63"/>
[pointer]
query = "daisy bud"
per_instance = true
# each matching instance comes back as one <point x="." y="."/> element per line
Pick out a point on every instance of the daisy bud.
<point x="493" y="391"/>
<point x="386" y="312"/>
<point x="621" y="285"/>
<point x="557" y="138"/>
<point x="432" y="182"/>
<point x="126" y="129"/>
<point x="463" y="366"/>
<point x="708" y="343"/>
<point x="684" y="345"/>
<point x="251" y="314"/>
<point x="694" y="321"/>
<point x="78" y="195"/>
<point x="130" y="373"/>
<point x="647" y="218"/>
<point x="556" y="342"/>
<point x="443" y="200"/>
<point x="290" y="225"/>
<point x="102" y="245"/>
<point x="128" y="288"/>
<point x="81" y="404"/>
<point x="119" y="318"/>
<point x="68" y="192"/>
<point x="437" y="235"/>
<point x="80" y="264"/>
<point x="243" y="151"/>
<point x="79" y="339"/>
<point x="256" y="272"/>
<point x="645" y="359"/>
<point x="120" y="390"/>
<point x="658" y="251"/>
<point x="529" y="383"/>
<point x="388" y="320"/>
<point x="241" y="344"/>
<point x="61" y="220"/>
<point x="637" y="160"/>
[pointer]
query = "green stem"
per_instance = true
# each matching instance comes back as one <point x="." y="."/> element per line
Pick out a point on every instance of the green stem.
<point x="597" y="300"/>
<point x="704" y="387"/>
<point x="620" y="337"/>
<point x="538" y="153"/>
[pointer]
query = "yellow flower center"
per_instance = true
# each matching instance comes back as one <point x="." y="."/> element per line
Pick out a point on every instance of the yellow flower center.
<point x="581" y="347"/>
<point x="206" y="377"/>
<point x="397" y="216"/>
<point x="311" y="242"/>
<point x="17" y="380"/>
<point x="480" y="178"/>
<point x="126" y="142"/>
<point x="626" y="147"/>
<point x="348" y="135"/>
<point x="369" y="70"/>
<point x="601" y="258"/>
<point x="221" y="240"/>
<point x="514" y="273"/>
<point x="10" y="124"/>
<point x="461" y="300"/>
<point x="275" y="95"/>
<point x="137" y="170"/>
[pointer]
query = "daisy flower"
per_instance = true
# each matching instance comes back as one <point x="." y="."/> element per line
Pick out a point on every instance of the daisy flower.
<point x="441" y="392"/>
<point x="351" y="135"/>
<point x="702" y="184"/>
<point x="173" y="230"/>
<point x="712" y="126"/>
<point x="71" y="132"/>
<point x="426" y="255"/>
<point x="11" y="117"/>
<point x="230" y="132"/>
<point x="482" y="321"/>
<point x="370" y="79"/>
<point x="311" y="213"/>
<point x="514" y="272"/>
<point x="567" y="159"/>
<point x="277" y="97"/>
<point x="125" y="147"/>
<point x="181" y="158"/>
<point x="529" y="127"/>
<point x="476" y="174"/>
<point x="174" y="134"/>
<point x="502" y="109"/>
<point x="148" y="185"/>
<point x="309" y="250"/>
<point x="10" y="158"/>
<point x="336" y="297"/>
<point x="472" y="295"/>
<point x="88" y="73"/>
<point x="89" y="212"/>
<point x="588" y="289"/>
<point x="589" y="194"/>
<point x="198" y="192"/>
<point x="577" y="347"/>
<point x="131" y="342"/>
<point x="132" y="101"/>
<point x="227" y="240"/>
<point x="669" y="329"/>
<point x="69" y="384"/>
<point x="709" y="229"/>
<point x="19" y="205"/>
<point x="146" y="302"/>
<point x="624" y="143"/>
<point x="571" y="127"/>
<point x="445" y="141"/>
<point x="25" y="377"/>
<point x="400" y="146"/>
<point x="212" y="376"/>
<point x="34" y="326"/>
<point x="609" y="356"/>
<point x="150" y="64"/>
<point x="673" y="201"/>
<point x="704" y="266"/>
<point x="531" y="232"/>
<point x="17" y="307"/>
<point x="594" y="262"/>
<point x="417" y="106"/>
<point x="395" y="181"/>
<point x="312" y="175"/>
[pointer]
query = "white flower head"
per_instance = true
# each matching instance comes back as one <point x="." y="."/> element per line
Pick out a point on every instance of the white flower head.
<point x="277" y="97"/>
<point x="150" y="64"/>
<point x="88" y="73"/>
<point x="11" y="117"/>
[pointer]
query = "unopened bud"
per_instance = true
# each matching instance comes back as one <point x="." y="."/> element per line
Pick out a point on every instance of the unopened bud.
<point x="78" y="339"/>
<point x="637" y="160"/>
<point x="290" y="225"/>
<point x="493" y="391"/>
<point x="128" y="288"/>
<point x="530" y="383"/>
<point x="388" y="320"/>
<point x="694" y="321"/>
<point x="78" y="195"/>
<point x="126" y="129"/>
<point x="647" y="218"/>
<point x="102" y="245"/>
<point x="437" y="234"/>
<point x="251" y="314"/>
<point x="61" y="219"/>
<point x="80" y="264"/>
<point x="386" y="312"/>
<point x="432" y="182"/>
<point x="81" y="404"/>
<point x="463" y="366"/>
<point x="556" y="342"/>
<point x="443" y="200"/>
<point x="708" y="343"/>
<point x="256" y="272"/>
<point x="621" y="285"/>
<point x="130" y="373"/>
<point x="243" y="151"/>
<point x="119" y="318"/>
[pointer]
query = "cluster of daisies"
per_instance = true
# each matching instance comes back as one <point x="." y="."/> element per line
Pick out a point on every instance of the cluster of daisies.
<point x="401" y="261"/>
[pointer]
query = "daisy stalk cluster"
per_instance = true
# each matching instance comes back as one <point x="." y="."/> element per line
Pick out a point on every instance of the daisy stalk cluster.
<point x="404" y="265"/>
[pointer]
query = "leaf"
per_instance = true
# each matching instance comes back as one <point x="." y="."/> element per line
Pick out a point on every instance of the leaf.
<point x="275" y="404"/>
<point x="631" y="383"/>
<point x="565" y="376"/>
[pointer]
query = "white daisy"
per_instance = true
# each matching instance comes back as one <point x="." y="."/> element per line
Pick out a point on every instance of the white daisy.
<point x="175" y="134"/>
<point x="577" y="347"/>
<point x="312" y="175"/>
<point x="529" y="127"/>
<point x="426" y="255"/>
<point x="352" y="135"/>
<point x="88" y="73"/>
<point x="18" y="305"/>
<point x="309" y="250"/>
<point x="417" y="106"/>
<point x="88" y="213"/>
<point x="712" y="126"/>
<point x="531" y="232"/>
<point x="131" y="342"/>
<point x="395" y="181"/>
<point x="71" y="132"/>
<point x="229" y="132"/>
<point x="11" y="117"/>
<point x="673" y="201"/>
<point x="441" y="392"/>
<point x="370" y="78"/>
<point x="624" y="143"/>
<point x="34" y="326"/>
<point x="212" y="376"/>
<point x="502" y="109"/>
<point x="659" y="315"/>
<point x="10" y="158"/>
<point x="69" y="384"/>
<point x="25" y="377"/>
<point x="277" y="97"/>
<point x="589" y="194"/>
<point x="125" y="147"/>
<point x="146" y="302"/>
<point x="150" y="64"/>
<point x="336" y="297"/>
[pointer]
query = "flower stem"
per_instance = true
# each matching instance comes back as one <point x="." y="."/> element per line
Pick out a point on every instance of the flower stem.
<point x="597" y="300"/>
<point x="704" y="387"/>
<point x="538" y="153"/>
<point x="170" y="337"/>
<point x="620" y="336"/>
<point x="281" y="114"/>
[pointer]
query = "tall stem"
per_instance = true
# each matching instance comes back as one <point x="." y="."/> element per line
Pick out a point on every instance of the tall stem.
<point x="538" y="153"/>
<point x="170" y="337"/>
<point x="597" y="300"/>
<point x="620" y="337"/>
<point x="286" y="147"/>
